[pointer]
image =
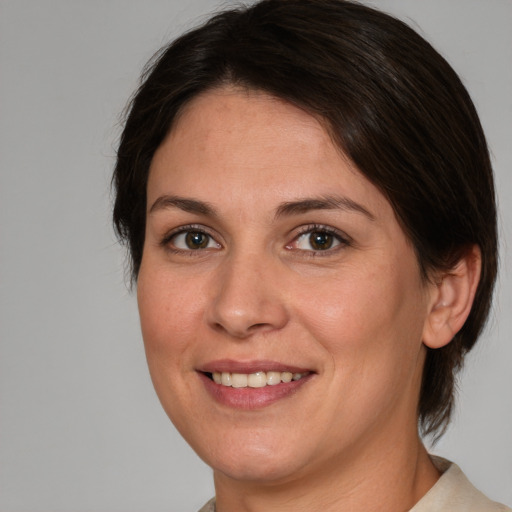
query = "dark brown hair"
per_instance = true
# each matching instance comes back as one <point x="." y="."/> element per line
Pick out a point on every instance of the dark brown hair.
<point x="390" y="102"/>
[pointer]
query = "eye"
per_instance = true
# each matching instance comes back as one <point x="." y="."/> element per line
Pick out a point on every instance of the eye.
<point x="318" y="239"/>
<point x="192" y="240"/>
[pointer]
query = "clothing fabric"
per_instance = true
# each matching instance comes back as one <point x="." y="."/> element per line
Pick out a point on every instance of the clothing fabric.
<point x="209" y="507"/>
<point x="453" y="492"/>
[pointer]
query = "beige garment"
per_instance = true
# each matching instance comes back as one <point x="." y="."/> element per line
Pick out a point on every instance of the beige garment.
<point x="453" y="492"/>
<point x="209" y="507"/>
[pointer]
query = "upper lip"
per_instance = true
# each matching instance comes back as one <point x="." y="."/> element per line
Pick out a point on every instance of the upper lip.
<point x="232" y="366"/>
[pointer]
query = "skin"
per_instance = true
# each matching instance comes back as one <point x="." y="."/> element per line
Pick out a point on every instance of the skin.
<point x="356" y="314"/>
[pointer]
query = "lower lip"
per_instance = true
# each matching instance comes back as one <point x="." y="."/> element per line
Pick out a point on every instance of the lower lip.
<point x="252" y="398"/>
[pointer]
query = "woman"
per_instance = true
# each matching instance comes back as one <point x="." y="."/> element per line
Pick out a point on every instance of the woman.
<point x="306" y="193"/>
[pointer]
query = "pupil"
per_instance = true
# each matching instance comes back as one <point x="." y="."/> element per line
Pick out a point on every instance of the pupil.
<point x="320" y="241"/>
<point x="196" y="240"/>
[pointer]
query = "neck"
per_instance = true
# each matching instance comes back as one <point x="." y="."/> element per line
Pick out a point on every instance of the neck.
<point x="391" y="480"/>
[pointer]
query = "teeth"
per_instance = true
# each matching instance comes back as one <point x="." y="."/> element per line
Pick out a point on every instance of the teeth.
<point x="254" y="380"/>
<point x="286" y="376"/>
<point x="225" y="379"/>
<point x="257" y="380"/>
<point x="273" y="378"/>
<point x="239" y="380"/>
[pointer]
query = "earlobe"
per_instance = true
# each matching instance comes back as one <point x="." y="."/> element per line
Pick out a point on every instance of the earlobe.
<point x="452" y="298"/>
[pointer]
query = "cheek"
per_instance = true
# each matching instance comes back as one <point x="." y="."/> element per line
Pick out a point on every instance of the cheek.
<point x="369" y="324"/>
<point x="169" y="311"/>
<point x="365" y="311"/>
<point x="169" y="318"/>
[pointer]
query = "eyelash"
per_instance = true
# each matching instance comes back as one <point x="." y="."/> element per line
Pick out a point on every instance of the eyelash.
<point x="166" y="241"/>
<point x="340" y="237"/>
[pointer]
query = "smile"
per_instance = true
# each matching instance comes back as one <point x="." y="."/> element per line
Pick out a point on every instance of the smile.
<point x="246" y="386"/>
<point x="259" y="379"/>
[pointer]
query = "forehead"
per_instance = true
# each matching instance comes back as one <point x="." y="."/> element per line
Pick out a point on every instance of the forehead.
<point x="245" y="119"/>
<point x="231" y="142"/>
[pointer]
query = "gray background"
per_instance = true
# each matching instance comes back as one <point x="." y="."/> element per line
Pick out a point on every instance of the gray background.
<point x="80" y="426"/>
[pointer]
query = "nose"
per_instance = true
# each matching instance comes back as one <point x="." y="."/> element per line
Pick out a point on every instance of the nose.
<point x="248" y="298"/>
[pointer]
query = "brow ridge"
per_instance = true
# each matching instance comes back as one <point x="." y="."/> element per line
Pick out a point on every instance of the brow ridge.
<point x="287" y="208"/>
<point x="322" y="203"/>
<point x="186" y="204"/>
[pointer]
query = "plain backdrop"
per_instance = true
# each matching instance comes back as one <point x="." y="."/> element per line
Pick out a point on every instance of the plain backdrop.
<point x="80" y="426"/>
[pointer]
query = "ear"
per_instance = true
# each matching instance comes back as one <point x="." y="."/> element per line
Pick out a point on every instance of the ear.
<point x="451" y="299"/>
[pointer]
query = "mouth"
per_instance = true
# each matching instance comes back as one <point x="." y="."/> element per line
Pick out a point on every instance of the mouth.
<point x="258" y="379"/>
<point x="252" y="385"/>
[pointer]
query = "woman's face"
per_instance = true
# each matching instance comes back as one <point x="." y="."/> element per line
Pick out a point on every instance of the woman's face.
<point x="268" y="256"/>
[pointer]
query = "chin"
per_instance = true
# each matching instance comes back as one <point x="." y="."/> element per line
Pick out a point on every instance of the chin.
<point x="257" y="469"/>
<point x="260" y="460"/>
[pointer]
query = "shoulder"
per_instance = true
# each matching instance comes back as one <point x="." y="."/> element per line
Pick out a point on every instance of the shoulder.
<point x="454" y="492"/>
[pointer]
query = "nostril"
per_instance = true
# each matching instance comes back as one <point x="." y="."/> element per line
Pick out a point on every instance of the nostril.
<point x="241" y="312"/>
<point x="242" y="332"/>
<point x="258" y="326"/>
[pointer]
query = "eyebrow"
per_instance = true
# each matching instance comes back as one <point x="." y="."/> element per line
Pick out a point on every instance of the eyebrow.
<point x="322" y="203"/>
<point x="288" y="208"/>
<point x="185" y="204"/>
